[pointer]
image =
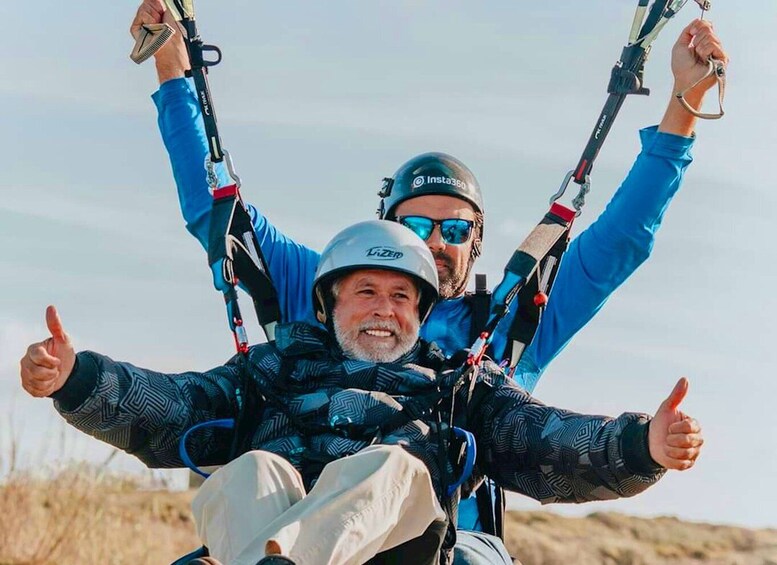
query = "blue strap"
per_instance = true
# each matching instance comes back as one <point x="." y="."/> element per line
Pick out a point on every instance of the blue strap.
<point x="227" y="423"/>
<point x="469" y="458"/>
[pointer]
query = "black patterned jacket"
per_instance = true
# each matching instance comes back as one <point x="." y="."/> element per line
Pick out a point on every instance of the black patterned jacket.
<point x="297" y="394"/>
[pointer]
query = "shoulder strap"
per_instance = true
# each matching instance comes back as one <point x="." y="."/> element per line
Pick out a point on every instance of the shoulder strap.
<point x="532" y="299"/>
<point x="235" y="257"/>
<point x="480" y="302"/>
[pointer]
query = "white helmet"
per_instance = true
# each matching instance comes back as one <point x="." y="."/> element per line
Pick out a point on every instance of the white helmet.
<point x="376" y="244"/>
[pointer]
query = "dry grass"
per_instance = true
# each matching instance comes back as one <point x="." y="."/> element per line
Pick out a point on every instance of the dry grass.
<point x="85" y="516"/>
<point x="541" y="538"/>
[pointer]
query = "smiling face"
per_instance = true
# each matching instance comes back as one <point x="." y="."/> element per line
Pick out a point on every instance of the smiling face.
<point x="376" y="314"/>
<point x="453" y="261"/>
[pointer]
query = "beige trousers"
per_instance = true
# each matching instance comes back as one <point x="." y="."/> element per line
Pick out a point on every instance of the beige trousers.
<point x="361" y="505"/>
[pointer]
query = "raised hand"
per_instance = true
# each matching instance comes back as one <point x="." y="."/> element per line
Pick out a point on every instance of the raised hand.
<point x="674" y="438"/>
<point x="47" y="365"/>
<point x="696" y="44"/>
<point x="690" y="54"/>
<point x="172" y="60"/>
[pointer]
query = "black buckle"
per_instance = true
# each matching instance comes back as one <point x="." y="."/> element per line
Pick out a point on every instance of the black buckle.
<point x="385" y="189"/>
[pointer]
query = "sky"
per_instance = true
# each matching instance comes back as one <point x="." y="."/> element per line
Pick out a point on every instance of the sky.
<point x="317" y="102"/>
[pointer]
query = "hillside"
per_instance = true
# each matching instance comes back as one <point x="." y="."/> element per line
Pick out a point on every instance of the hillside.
<point x="80" y="518"/>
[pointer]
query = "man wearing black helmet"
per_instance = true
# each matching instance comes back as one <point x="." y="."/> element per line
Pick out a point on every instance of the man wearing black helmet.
<point x="436" y="185"/>
<point x="336" y="459"/>
<point x="439" y="198"/>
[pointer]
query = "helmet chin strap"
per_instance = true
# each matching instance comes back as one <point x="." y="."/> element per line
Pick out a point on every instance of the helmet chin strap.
<point x="325" y="306"/>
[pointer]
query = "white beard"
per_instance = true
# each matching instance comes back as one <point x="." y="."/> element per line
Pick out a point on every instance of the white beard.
<point x="379" y="352"/>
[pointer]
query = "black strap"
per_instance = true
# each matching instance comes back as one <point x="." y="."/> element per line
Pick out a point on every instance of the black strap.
<point x="480" y="304"/>
<point x="528" y="278"/>
<point x="530" y="302"/>
<point x="234" y="253"/>
<point x="423" y="550"/>
<point x="626" y="78"/>
<point x="235" y="257"/>
<point x="486" y="508"/>
<point x="499" y="513"/>
<point x="196" y="50"/>
<point x="538" y="257"/>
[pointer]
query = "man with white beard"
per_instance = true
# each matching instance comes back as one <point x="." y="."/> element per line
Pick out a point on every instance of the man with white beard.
<point x="345" y="450"/>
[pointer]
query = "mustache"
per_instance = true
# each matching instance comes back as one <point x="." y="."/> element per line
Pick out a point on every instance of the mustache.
<point x="386" y="325"/>
<point x="444" y="259"/>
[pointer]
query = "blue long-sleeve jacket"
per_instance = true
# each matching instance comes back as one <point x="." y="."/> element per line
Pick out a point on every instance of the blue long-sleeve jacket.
<point x="596" y="263"/>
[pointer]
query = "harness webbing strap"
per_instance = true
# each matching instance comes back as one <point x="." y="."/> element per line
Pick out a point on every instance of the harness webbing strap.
<point x="539" y="242"/>
<point x="525" y="261"/>
<point x="225" y="192"/>
<point x="423" y="550"/>
<point x="235" y="257"/>
<point x="534" y="266"/>
<point x="531" y="300"/>
<point x="183" y="12"/>
<point x="234" y="254"/>
<point x="499" y="515"/>
<point x="486" y="507"/>
<point x="480" y="303"/>
<point x="626" y="78"/>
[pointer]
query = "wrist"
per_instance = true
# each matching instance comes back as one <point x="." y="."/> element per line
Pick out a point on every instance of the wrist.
<point x="169" y="69"/>
<point x="677" y="120"/>
<point x="79" y="385"/>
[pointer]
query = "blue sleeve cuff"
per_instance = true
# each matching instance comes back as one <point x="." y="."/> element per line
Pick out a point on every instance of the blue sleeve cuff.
<point x="171" y="90"/>
<point x="80" y="385"/>
<point x="667" y="145"/>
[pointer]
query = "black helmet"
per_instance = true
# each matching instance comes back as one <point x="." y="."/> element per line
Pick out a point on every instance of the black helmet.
<point x="429" y="173"/>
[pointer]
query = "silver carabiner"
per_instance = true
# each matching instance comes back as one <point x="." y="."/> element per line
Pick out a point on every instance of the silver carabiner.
<point x="210" y="172"/>
<point x="231" y="168"/>
<point x="578" y="201"/>
<point x="213" y="178"/>
<point x="563" y="188"/>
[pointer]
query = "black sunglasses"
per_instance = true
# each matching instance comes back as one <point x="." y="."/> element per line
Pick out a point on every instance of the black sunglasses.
<point x="454" y="231"/>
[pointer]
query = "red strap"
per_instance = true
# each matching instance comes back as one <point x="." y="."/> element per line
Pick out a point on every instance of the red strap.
<point x="562" y="212"/>
<point x="225" y="192"/>
<point x="581" y="168"/>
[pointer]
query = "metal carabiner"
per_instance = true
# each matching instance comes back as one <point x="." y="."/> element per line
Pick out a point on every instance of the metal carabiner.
<point x="578" y="201"/>
<point x="718" y="70"/>
<point x="231" y="168"/>
<point x="210" y="172"/>
<point x="213" y="178"/>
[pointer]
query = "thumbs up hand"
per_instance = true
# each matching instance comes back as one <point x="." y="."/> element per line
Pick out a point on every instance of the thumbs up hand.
<point x="674" y="439"/>
<point x="47" y="365"/>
